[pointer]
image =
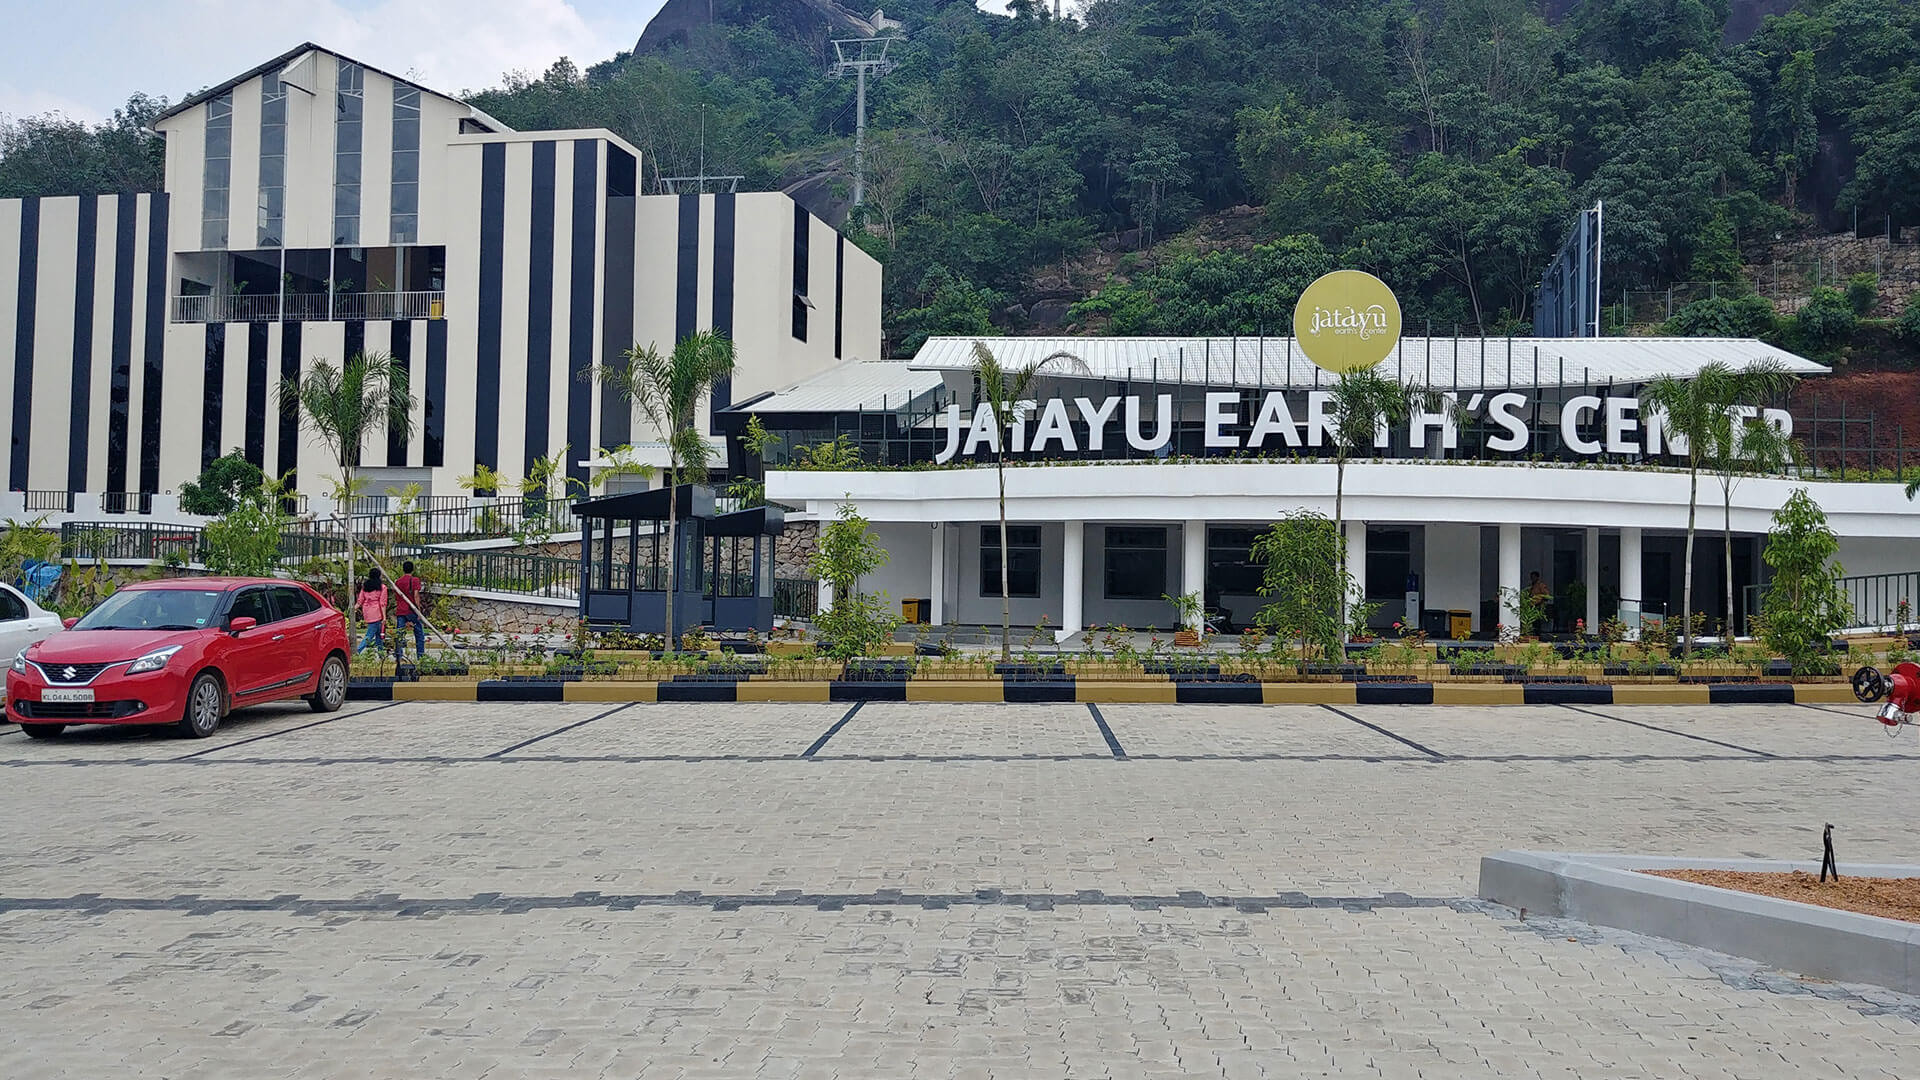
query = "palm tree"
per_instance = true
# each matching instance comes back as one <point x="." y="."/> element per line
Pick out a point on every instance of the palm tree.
<point x="367" y="393"/>
<point x="668" y="390"/>
<point x="1001" y="390"/>
<point x="1740" y="449"/>
<point x="1363" y="401"/>
<point x="1701" y="410"/>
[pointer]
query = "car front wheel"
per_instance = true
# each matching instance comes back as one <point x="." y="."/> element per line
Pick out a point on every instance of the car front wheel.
<point x="332" y="691"/>
<point x="43" y="731"/>
<point x="205" y="702"/>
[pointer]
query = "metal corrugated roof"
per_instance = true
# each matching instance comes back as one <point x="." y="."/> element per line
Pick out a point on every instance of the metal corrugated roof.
<point x="867" y="384"/>
<point x="1434" y="361"/>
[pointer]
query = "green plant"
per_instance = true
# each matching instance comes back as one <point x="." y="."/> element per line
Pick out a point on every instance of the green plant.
<point x="1307" y="581"/>
<point x="668" y="391"/>
<point x="483" y="480"/>
<point x="245" y="541"/>
<point x="854" y="623"/>
<point x="1361" y="403"/>
<point x="24" y="542"/>
<point x="221" y="485"/>
<point x="1189" y="608"/>
<point x="837" y="453"/>
<point x="1805" y="602"/>
<point x="1826" y="320"/>
<point x="1529" y="608"/>
<point x="1863" y="291"/>
<point x="1907" y="326"/>
<point x="1359" y="614"/>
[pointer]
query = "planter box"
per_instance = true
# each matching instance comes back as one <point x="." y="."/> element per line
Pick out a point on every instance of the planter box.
<point x="1030" y="671"/>
<point x="1614" y="671"/>
<point x="869" y="670"/>
<point x="1499" y="671"/>
<point x="1337" y="670"/>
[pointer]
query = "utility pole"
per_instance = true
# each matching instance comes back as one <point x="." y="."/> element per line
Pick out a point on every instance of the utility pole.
<point x="860" y="57"/>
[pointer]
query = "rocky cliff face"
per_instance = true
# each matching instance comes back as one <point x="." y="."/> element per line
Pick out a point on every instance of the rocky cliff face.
<point x="798" y="20"/>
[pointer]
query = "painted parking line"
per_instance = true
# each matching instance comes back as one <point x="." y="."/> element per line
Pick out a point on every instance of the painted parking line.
<point x="284" y="731"/>
<point x="1429" y="751"/>
<point x="1106" y="732"/>
<point x="831" y="732"/>
<point x="1669" y="731"/>
<point x="560" y="730"/>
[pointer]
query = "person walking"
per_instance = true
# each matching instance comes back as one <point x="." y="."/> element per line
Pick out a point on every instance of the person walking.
<point x="407" y="610"/>
<point x="372" y="600"/>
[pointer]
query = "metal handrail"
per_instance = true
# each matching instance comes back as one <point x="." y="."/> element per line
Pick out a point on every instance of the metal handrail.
<point x="309" y="307"/>
<point x="1873" y="598"/>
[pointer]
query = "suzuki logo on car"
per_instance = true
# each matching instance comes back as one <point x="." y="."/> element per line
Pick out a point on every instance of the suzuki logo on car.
<point x="69" y="671"/>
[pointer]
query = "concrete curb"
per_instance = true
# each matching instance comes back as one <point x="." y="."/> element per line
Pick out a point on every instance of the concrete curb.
<point x="1066" y="689"/>
<point x="1608" y="890"/>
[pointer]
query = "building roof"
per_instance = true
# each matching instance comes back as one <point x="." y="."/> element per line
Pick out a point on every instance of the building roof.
<point x="850" y="387"/>
<point x="281" y="62"/>
<point x="1441" y="362"/>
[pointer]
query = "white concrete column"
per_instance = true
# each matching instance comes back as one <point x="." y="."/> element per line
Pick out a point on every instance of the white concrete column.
<point x="1357" y="558"/>
<point x="1510" y="577"/>
<point x="1072" y="580"/>
<point x="937" y="568"/>
<point x="1193" y="562"/>
<point x="1593" y="580"/>
<point x="826" y="594"/>
<point x="1630" y="581"/>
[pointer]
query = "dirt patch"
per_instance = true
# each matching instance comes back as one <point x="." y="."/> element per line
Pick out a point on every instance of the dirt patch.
<point x="1889" y="898"/>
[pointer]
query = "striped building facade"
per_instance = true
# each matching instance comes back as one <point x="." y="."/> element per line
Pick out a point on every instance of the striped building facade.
<point x="315" y="208"/>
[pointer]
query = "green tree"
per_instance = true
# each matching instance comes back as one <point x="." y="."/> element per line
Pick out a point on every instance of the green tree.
<point x="668" y="390"/>
<point x="1907" y="327"/>
<point x="1805" y="601"/>
<point x="1699" y="415"/>
<point x="52" y="155"/>
<point x="1745" y="447"/>
<point x="343" y="406"/>
<point x="1826" y="321"/>
<point x="1001" y="391"/>
<point x="855" y="623"/>
<point x="222" y="485"/>
<point x="245" y="541"/>
<point x="1305" y="577"/>
<point x="1749" y="316"/>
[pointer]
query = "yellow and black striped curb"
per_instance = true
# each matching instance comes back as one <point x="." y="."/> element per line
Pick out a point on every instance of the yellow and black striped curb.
<point x="1090" y="691"/>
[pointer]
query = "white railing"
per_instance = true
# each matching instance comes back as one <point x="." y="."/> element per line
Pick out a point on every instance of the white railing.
<point x="309" y="307"/>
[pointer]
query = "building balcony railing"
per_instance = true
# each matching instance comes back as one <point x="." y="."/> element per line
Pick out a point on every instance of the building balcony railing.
<point x="310" y="307"/>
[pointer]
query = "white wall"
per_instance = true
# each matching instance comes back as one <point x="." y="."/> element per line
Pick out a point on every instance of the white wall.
<point x="1452" y="576"/>
<point x="1861" y="555"/>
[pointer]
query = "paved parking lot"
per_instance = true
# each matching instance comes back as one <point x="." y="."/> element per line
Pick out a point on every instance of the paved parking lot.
<point x="466" y="890"/>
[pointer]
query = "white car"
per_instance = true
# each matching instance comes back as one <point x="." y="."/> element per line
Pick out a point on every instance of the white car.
<point x="23" y="622"/>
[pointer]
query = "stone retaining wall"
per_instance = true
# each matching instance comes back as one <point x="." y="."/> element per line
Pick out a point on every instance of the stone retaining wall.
<point x="485" y="614"/>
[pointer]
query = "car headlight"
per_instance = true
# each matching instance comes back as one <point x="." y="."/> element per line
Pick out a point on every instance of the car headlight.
<point x="153" y="661"/>
<point x="20" y="661"/>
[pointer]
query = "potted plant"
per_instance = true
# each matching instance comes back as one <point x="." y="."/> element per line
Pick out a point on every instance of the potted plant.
<point x="1189" y="608"/>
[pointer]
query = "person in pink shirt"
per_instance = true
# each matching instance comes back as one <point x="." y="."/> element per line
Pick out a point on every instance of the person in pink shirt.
<point x="372" y="601"/>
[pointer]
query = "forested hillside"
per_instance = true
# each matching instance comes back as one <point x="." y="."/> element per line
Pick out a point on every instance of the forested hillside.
<point x="1444" y="145"/>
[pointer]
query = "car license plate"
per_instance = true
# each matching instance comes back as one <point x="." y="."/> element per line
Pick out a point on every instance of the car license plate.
<point x="52" y="694"/>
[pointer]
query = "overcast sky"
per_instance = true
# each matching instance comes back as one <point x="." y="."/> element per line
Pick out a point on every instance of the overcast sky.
<point x="85" y="57"/>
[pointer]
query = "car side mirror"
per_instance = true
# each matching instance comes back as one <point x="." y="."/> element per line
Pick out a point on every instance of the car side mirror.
<point x="68" y="623"/>
<point x="241" y="625"/>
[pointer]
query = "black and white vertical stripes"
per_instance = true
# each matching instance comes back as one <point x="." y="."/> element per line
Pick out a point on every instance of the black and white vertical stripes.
<point x="27" y="303"/>
<point x="80" y="404"/>
<point x="580" y="278"/>
<point x="539" y="306"/>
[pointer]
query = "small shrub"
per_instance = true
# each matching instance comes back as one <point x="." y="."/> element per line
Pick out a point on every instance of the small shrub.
<point x="1907" y="327"/>
<point x="1863" y="291"/>
<point x="1827" y="320"/>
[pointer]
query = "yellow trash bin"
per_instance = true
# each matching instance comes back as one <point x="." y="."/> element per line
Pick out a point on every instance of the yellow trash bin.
<point x="1459" y="624"/>
<point x="914" y="610"/>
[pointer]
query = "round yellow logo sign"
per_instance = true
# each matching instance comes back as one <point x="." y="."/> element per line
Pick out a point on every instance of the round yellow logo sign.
<point x="1347" y="320"/>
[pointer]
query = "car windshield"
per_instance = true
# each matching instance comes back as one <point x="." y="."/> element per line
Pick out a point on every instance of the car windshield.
<point x="153" y="609"/>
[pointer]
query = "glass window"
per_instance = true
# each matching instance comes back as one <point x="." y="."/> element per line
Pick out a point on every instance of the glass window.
<point x="1023" y="560"/>
<point x="350" y="106"/>
<point x="11" y="606"/>
<point x="251" y="604"/>
<point x="153" y="609"/>
<point x="290" y="602"/>
<point x="406" y="165"/>
<point x="1136" y="562"/>
<point x="273" y="159"/>
<point x="217" y="176"/>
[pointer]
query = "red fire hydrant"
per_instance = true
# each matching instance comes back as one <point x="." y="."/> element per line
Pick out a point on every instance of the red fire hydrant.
<point x="1901" y="689"/>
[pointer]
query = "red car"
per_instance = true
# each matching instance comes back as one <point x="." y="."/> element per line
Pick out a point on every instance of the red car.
<point x="185" y="651"/>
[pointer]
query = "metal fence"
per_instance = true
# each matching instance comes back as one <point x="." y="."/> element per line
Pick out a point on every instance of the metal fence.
<point x="1875" y="599"/>
<point x="795" y="598"/>
<point x="309" y="307"/>
<point x="451" y="517"/>
<point x="499" y="571"/>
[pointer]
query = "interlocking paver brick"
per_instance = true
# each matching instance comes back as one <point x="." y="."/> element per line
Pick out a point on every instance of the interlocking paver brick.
<point x="671" y="890"/>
